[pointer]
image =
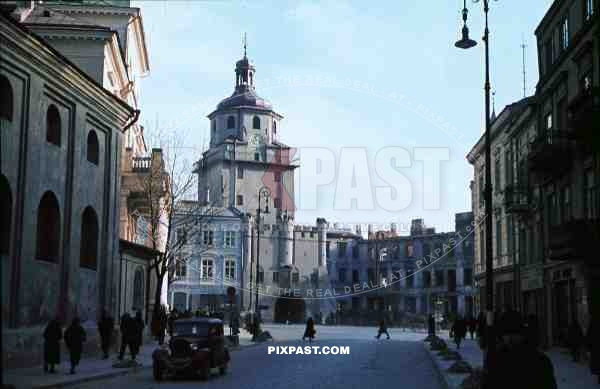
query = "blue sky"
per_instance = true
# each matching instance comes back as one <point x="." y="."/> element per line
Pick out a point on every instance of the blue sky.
<point x="398" y="48"/>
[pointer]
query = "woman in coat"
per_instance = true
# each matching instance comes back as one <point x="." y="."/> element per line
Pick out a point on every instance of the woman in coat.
<point x="309" y="332"/>
<point x="74" y="338"/>
<point x="52" y="337"/>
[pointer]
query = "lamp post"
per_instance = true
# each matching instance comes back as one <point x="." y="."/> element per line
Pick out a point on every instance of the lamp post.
<point x="263" y="193"/>
<point x="465" y="43"/>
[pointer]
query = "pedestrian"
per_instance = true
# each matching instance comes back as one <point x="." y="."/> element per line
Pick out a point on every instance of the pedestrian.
<point x="431" y="325"/>
<point x="171" y="322"/>
<point x="136" y="334"/>
<point x="125" y="328"/>
<point x="472" y="323"/>
<point x="458" y="331"/>
<point x="106" y="326"/>
<point x="575" y="339"/>
<point x="163" y="325"/>
<point x="52" y="337"/>
<point x="309" y="331"/>
<point x="74" y="339"/>
<point x="481" y="326"/>
<point x="382" y="330"/>
<point x="593" y="340"/>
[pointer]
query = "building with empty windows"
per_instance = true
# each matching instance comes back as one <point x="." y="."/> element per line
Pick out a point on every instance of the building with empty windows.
<point x="62" y="133"/>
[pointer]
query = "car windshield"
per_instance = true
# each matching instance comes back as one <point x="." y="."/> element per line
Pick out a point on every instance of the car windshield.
<point x="191" y="329"/>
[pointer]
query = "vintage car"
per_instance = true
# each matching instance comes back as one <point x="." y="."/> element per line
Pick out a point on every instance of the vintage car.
<point x="197" y="347"/>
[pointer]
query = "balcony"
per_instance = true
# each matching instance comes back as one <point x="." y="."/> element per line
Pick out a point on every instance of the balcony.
<point x="550" y="154"/>
<point x="584" y="119"/>
<point x="517" y="200"/>
<point x="574" y="240"/>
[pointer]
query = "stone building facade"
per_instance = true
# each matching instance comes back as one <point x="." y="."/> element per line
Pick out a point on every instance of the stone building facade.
<point x="62" y="132"/>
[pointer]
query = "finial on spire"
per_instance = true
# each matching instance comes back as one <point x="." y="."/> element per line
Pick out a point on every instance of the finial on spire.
<point x="245" y="41"/>
<point x="493" y="105"/>
<point x="523" y="46"/>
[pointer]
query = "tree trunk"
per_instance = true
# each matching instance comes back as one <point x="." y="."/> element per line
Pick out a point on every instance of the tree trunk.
<point x="157" y="293"/>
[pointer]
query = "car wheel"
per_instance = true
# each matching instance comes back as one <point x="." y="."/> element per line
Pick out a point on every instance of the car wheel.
<point x="223" y="369"/>
<point x="205" y="373"/>
<point x="158" y="374"/>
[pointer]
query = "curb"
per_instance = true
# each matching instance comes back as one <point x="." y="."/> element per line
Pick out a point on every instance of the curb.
<point x="443" y="378"/>
<point x="118" y="372"/>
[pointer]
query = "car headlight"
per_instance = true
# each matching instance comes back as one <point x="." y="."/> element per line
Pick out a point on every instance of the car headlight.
<point x="194" y="347"/>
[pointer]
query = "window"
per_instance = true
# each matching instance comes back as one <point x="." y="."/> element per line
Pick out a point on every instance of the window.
<point x="213" y="127"/>
<point x="5" y="215"/>
<point x="549" y="121"/>
<point x="409" y="248"/>
<point x="138" y="289"/>
<point x="564" y="33"/>
<point x="562" y="114"/>
<point x="53" y="125"/>
<point x="585" y="82"/>
<point x="481" y="191"/>
<point x="88" y="254"/>
<point x="497" y="174"/>
<point x="439" y="278"/>
<point x="295" y="277"/>
<point x="230" y="122"/>
<point x="256" y="123"/>
<point x="261" y="276"/>
<point x="182" y="235"/>
<point x="566" y="204"/>
<point x="588" y="9"/>
<point x="180" y="268"/>
<point x="468" y="277"/>
<point x="230" y="269"/>
<point x="207" y="269"/>
<point x="342" y="249"/>
<point x="451" y="280"/>
<point x="240" y="173"/>
<point x="93" y="149"/>
<point x="6" y="99"/>
<point x="342" y="275"/>
<point x="48" y="228"/>
<point x="207" y="238"/>
<point x="426" y="279"/>
<point x="228" y="239"/>
<point x="257" y="156"/>
<point x="355" y="276"/>
<point x="275" y="276"/>
<point x="274" y="127"/>
<point x="239" y="200"/>
<point x="509" y="235"/>
<point x="498" y="237"/>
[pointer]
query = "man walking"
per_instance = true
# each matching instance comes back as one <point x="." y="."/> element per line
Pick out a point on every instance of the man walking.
<point x="74" y="338"/>
<point x="106" y="326"/>
<point x="52" y="337"/>
<point x="382" y="330"/>
<point x="136" y="333"/>
<point x="125" y="328"/>
<point x="458" y="331"/>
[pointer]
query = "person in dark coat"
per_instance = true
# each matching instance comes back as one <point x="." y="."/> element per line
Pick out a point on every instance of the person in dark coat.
<point x="171" y="322"/>
<point x="382" y="330"/>
<point x="52" y="337"/>
<point x="472" y="324"/>
<point x="106" y="326"/>
<point x="309" y="331"/>
<point x="519" y="365"/>
<point x="458" y="331"/>
<point x="136" y="333"/>
<point x="575" y="339"/>
<point x="431" y="325"/>
<point x="125" y="328"/>
<point x="74" y="339"/>
<point x="593" y="340"/>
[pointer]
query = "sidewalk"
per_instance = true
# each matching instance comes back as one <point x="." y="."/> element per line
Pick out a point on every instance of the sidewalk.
<point x="89" y="369"/>
<point x="568" y="374"/>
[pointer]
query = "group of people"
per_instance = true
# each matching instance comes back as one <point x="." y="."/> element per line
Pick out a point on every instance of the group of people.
<point x="74" y="337"/>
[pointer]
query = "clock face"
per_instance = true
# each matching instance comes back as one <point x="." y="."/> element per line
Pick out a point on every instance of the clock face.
<point x="255" y="139"/>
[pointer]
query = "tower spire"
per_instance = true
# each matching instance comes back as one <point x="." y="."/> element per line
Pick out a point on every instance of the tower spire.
<point x="493" y="105"/>
<point x="245" y="42"/>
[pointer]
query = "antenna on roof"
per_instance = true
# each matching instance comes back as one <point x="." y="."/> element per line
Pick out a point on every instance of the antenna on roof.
<point x="523" y="46"/>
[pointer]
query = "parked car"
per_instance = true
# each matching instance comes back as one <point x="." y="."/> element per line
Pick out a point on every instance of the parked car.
<point x="196" y="348"/>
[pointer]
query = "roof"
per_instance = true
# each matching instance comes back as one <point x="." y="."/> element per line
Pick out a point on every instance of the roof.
<point x="44" y="15"/>
<point x="246" y="99"/>
<point x="137" y="250"/>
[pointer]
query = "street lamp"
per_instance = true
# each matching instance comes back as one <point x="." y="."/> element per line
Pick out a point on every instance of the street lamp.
<point x="263" y="193"/>
<point x="466" y="43"/>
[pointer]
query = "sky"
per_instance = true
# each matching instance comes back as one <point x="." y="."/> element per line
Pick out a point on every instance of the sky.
<point x="351" y="78"/>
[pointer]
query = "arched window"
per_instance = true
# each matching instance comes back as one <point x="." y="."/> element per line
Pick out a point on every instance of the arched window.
<point x="48" y="228"/>
<point x="53" y="125"/>
<point x="93" y="149"/>
<point x="274" y="127"/>
<point x="230" y="122"/>
<point x="88" y="254"/>
<point x="6" y="99"/>
<point x="256" y="123"/>
<point x="138" y="289"/>
<point x="5" y="215"/>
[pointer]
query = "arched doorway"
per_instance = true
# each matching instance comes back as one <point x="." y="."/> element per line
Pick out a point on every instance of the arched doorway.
<point x="289" y="308"/>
